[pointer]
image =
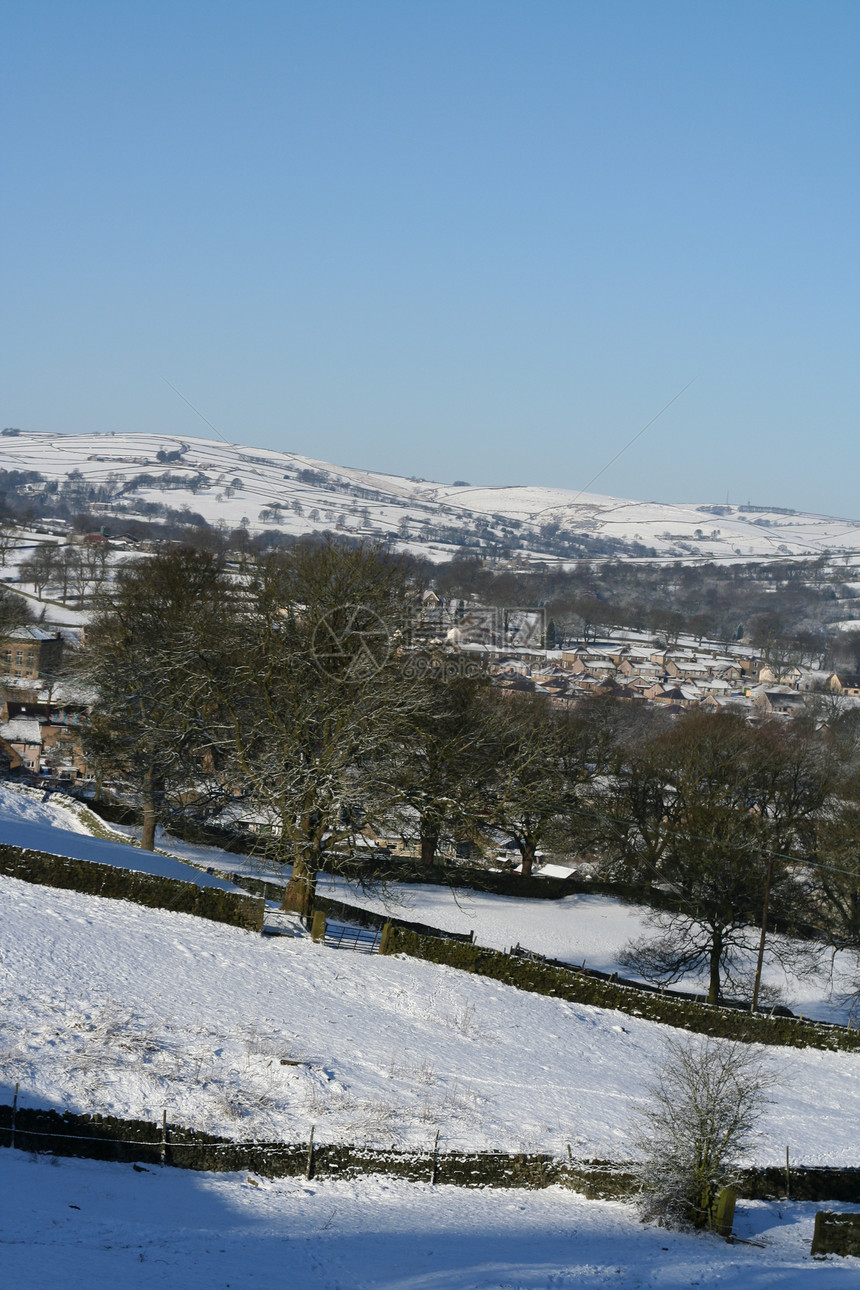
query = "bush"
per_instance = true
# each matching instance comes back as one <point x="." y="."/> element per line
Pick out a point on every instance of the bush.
<point x="706" y="1098"/>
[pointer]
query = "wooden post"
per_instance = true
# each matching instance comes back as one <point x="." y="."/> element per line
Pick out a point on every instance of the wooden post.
<point x="787" y="1176"/>
<point x="318" y="926"/>
<point x="309" y="1172"/>
<point x="434" y="1173"/>
<point x="14" y="1114"/>
<point x="724" y="1212"/>
<point x="164" y="1136"/>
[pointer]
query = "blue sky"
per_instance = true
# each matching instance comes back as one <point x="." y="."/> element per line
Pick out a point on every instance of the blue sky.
<point x="472" y="240"/>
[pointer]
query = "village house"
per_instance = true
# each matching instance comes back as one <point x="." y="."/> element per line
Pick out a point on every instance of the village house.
<point x="24" y="737"/>
<point x="845" y="683"/>
<point x="31" y="652"/>
<point x="783" y="703"/>
<point x="46" y="735"/>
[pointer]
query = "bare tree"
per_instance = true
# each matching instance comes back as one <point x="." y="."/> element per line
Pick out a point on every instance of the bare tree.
<point x="703" y="809"/>
<point x="68" y="572"/>
<point x="8" y="540"/>
<point x="706" y="1098"/>
<point x="535" y="773"/>
<point x="41" y="568"/>
<point x="93" y="565"/>
<point x="315" y="697"/>
<point x="440" y="766"/>
<point x="155" y="727"/>
<point x="15" y="611"/>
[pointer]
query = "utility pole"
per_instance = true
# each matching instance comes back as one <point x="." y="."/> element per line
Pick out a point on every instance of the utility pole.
<point x="760" y="959"/>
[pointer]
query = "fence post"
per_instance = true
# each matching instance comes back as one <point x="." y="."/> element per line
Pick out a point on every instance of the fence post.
<point x="434" y="1173"/>
<point x="309" y="1172"/>
<point x="164" y="1136"/>
<point x="14" y="1114"/>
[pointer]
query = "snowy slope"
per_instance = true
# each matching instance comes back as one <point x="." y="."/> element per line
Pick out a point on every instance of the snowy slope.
<point x="580" y="929"/>
<point x="591" y="930"/>
<point x="114" y="1008"/>
<point x="234" y="484"/>
<point x="58" y="830"/>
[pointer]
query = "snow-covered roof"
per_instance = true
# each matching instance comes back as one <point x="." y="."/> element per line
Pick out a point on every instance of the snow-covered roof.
<point x="22" y="730"/>
<point x="29" y="633"/>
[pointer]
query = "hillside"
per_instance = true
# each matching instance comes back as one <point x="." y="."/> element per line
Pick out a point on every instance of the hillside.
<point x="141" y="475"/>
<point x="109" y="1007"/>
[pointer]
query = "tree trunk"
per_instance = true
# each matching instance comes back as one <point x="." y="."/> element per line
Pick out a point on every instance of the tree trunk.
<point x="429" y="843"/>
<point x="150" y="795"/>
<point x="528" y="854"/>
<point x="300" y="892"/>
<point x="716" y="954"/>
<point x="150" y="820"/>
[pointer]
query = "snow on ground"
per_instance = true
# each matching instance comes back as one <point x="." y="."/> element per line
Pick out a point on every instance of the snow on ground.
<point x="28" y="807"/>
<point x="580" y="929"/>
<point x="50" y="826"/>
<point x="110" y="1007"/>
<point x="585" y="929"/>
<point x="81" y="1223"/>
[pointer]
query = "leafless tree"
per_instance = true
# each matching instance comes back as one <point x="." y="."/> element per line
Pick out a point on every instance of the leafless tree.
<point x="705" y="1100"/>
<point x="441" y="765"/>
<point x="702" y="810"/>
<point x="41" y="568"/>
<point x="538" y="767"/>
<point x="154" y="727"/>
<point x="314" y="697"/>
<point x="8" y="539"/>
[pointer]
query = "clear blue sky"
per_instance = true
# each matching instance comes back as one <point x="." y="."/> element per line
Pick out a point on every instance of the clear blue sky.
<point x="460" y="239"/>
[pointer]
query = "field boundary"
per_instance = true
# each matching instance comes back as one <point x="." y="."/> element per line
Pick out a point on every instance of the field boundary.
<point x="148" y="1143"/>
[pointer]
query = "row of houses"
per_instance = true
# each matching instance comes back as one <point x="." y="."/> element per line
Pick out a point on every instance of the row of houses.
<point x="680" y="678"/>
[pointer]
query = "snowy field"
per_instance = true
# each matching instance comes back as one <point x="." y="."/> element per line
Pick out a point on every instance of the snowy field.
<point x="589" y="930"/>
<point x="80" y="1224"/>
<point x="110" y="1007"/>
<point x="580" y="929"/>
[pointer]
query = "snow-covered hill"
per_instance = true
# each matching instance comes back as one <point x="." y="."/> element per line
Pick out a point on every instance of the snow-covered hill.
<point x="112" y="1007"/>
<point x="265" y="489"/>
<point x="108" y="1006"/>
